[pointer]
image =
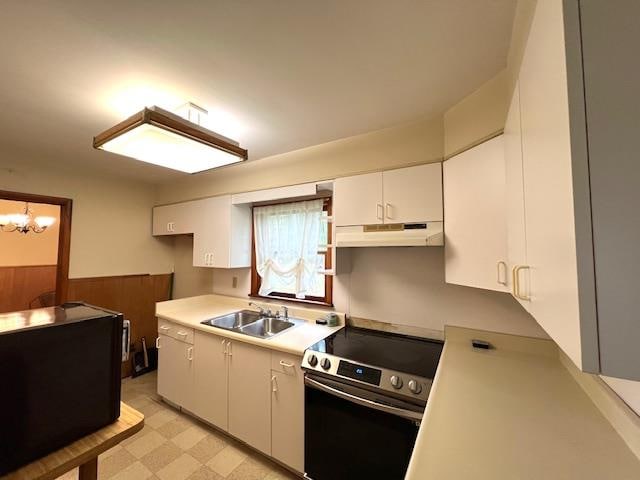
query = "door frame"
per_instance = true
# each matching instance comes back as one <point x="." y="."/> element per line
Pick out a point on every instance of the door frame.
<point x="64" y="238"/>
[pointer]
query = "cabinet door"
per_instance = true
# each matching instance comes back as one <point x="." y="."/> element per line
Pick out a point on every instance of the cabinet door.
<point x="358" y="200"/>
<point x="516" y="232"/>
<point x="211" y="237"/>
<point x="175" y="372"/>
<point x="250" y="395"/>
<point x="210" y="379"/>
<point x="548" y="193"/>
<point x="287" y="417"/>
<point x="413" y="194"/>
<point x="174" y="219"/>
<point x="475" y="226"/>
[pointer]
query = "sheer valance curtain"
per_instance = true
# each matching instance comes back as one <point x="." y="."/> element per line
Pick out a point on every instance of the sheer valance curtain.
<point x="287" y="238"/>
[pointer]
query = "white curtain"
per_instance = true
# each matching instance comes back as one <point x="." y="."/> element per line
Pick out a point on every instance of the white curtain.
<point x="287" y="240"/>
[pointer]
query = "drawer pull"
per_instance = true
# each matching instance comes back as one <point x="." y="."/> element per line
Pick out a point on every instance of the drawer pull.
<point x="165" y="328"/>
<point x="285" y="364"/>
<point x="183" y="334"/>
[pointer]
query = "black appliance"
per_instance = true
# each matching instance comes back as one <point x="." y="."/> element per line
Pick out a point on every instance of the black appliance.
<point x="60" y="368"/>
<point x="365" y="394"/>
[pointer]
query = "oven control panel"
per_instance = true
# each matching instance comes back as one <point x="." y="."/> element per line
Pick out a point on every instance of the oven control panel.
<point x="388" y="380"/>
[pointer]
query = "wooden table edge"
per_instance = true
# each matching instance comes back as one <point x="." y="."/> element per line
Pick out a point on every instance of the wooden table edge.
<point x="61" y="461"/>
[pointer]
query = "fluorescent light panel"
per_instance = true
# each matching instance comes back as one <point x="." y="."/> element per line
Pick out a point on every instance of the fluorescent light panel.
<point x="151" y="144"/>
<point x="161" y="138"/>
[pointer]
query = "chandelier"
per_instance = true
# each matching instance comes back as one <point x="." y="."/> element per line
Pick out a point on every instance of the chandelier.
<point x="25" y="222"/>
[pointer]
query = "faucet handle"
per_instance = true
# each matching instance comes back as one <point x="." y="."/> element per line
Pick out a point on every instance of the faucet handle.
<point x="286" y="311"/>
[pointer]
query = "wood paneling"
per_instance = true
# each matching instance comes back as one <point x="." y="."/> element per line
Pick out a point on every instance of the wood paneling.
<point x="133" y="295"/>
<point x="21" y="285"/>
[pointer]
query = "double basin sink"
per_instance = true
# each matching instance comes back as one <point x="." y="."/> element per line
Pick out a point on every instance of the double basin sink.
<point x="252" y="323"/>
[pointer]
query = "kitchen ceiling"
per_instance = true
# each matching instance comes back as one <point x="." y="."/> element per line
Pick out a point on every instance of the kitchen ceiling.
<point x="275" y="75"/>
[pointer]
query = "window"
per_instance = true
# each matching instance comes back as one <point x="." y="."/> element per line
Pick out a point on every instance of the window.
<point x="292" y="252"/>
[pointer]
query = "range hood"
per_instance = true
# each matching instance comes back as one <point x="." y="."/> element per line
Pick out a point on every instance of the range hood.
<point x="429" y="234"/>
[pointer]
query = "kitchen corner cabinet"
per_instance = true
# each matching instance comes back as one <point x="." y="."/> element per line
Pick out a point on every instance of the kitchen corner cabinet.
<point x="223" y="236"/>
<point x="579" y="185"/>
<point x="404" y="195"/>
<point x="474" y="221"/>
<point x="249" y="395"/>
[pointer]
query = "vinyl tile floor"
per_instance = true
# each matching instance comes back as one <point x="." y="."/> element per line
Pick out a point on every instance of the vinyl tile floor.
<point x="175" y="446"/>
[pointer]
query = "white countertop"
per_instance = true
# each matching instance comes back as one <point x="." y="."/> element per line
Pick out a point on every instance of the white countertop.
<point x="513" y="413"/>
<point x="193" y="310"/>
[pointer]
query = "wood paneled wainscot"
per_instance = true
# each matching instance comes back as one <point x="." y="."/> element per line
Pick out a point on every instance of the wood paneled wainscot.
<point x="20" y="286"/>
<point x="255" y="394"/>
<point x="133" y="295"/>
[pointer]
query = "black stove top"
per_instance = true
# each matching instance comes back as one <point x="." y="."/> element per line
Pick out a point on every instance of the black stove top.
<point x="416" y="356"/>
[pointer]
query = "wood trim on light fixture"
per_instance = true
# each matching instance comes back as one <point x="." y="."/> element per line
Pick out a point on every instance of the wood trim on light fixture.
<point x="64" y="237"/>
<point x="172" y="123"/>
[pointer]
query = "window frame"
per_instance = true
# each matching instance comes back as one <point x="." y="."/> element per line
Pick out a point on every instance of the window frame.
<point x="327" y="300"/>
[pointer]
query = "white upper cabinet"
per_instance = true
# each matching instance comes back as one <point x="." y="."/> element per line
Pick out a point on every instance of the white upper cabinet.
<point x="475" y="212"/>
<point x="413" y="194"/>
<point x="176" y="219"/>
<point x="358" y="200"/>
<point x="577" y="198"/>
<point x="516" y="231"/>
<point x="405" y="195"/>
<point x="222" y="238"/>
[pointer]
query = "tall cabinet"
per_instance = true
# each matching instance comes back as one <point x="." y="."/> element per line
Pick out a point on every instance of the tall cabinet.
<point x="573" y="191"/>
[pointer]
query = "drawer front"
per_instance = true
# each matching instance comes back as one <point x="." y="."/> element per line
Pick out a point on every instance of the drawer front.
<point x="286" y="363"/>
<point x="174" y="330"/>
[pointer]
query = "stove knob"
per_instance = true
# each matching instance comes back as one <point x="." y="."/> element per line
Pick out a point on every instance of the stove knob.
<point x="396" y="381"/>
<point x="415" y="387"/>
<point x="313" y="360"/>
<point x="325" y="363"/>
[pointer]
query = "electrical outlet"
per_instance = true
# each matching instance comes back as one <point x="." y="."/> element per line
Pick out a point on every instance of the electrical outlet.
<point x="234" y="282"/>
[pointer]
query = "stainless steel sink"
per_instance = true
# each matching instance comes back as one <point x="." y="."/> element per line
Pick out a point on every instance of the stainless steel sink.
<point x="252" y="323"/>
<point x="234" y="321"/>
<point x="266" y="327"/>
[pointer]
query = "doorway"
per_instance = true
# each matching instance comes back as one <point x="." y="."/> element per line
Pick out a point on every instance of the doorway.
<point x="38" y="281"/>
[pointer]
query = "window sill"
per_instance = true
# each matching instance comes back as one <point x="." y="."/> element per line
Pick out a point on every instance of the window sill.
<point x="292" y="300"/>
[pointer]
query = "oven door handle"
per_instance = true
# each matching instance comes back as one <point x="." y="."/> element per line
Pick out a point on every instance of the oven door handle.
<point x="400" y="412"/>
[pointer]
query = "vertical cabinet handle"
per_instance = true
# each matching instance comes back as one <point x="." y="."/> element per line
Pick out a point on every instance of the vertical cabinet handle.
<point x="379" y="211"/>
<point x="229" y="348"/>
<point x="190" y="354"/>
<point x="516" y="283"/>
<point x="224" y="347"/>
<point x="502" y="267"/>
<point x="158" y="342"/>
<point x="274" y="384"/>
<point x="387" y="209"/>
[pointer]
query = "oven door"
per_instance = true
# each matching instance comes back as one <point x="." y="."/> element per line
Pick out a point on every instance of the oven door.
<point x="352" y="433"/>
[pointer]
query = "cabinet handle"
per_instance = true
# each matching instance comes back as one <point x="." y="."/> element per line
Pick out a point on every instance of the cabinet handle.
<point x="502" y="264"/>
<point x="387" y="209"/>
<point x="379" y="211"/>
<point x="190" y="354"/>
<point x="158" y="343"/>
<point x="164" y="328"/>
<point x="516" y="283"/>
<point x="285" y="364"/>
<point x="229" y="349"/>
<point x="224" y="347"/>
<point x="274" y="384"/>
<point x="183" y="334"/>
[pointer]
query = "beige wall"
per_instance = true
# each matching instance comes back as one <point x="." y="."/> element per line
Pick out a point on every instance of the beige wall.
<point x="188" y="281"/>
<point x="407" y="144"/>
<point x="111" y="222"/>
<point x="477" y="116"/>
<point x="17" y="249"/>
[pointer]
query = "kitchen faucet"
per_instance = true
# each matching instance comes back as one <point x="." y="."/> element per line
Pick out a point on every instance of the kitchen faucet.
<point x="261" y="309"/>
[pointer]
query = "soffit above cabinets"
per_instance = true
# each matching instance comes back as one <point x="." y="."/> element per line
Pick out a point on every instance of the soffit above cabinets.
<point x="293" y="192"/>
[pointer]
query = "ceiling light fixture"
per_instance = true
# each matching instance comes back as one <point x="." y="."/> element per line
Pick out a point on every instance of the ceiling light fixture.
<point x="157" y="136"/>
<point x="24" y="222"/>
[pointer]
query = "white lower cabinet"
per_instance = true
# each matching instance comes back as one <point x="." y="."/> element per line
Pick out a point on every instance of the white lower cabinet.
<point x="175" y="371"/>
<point x="287" y="411"/>
<point x="210" y="389"/>
<point x="249" y="395"/>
